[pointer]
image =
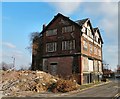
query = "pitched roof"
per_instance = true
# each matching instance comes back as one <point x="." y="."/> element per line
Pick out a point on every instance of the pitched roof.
<point x="81" y="22"/>
<point x="78" y="23"/>
<point x="55" y="17"/>
<point x="97" y="29"/>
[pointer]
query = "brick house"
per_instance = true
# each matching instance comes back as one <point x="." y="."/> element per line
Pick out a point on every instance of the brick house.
<point x="69" y="48"/>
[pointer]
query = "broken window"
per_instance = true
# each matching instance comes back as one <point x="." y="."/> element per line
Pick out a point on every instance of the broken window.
<point x="68" y="29"/>
<point x="68" y="45"/>
<point x="51" y="47"/>
<point x="51" y="32"/>
<point x="85" y="47"/>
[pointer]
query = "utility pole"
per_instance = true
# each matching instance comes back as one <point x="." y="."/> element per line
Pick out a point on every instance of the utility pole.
<point x="13" y="62"/>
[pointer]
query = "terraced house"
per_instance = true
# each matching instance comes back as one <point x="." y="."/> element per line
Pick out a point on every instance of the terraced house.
<point x="69" y="48"/>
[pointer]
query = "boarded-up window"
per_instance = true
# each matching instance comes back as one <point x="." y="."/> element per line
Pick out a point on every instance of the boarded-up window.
<point x="85" y="64"/>
<point x="51" y="32"/>
<point x="51" y="47"/>
<point x="95" y="66"/>
<point x="85" y="46"/>
<point x="68" y="29"/>
<point x="90" y="63"/>
<point x="100" y="66"/>
<point x="68" y="45"/>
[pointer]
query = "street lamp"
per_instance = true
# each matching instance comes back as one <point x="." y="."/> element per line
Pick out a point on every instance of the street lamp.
<point x="13" y="62"/>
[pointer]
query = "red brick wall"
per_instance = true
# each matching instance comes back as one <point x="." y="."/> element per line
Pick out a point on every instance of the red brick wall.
<point x="64" y="66"/>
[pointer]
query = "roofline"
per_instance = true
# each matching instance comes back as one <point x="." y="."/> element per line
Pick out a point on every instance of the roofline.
<point x="99" y="33"/>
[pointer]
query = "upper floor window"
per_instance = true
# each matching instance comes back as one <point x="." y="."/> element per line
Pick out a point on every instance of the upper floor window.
<point x="85" y="46"/>
<point x="96" y="38"/>
<point x="99" y="40"/>
<point x="99" y="52"/>
<point x="95" y="50"/>
<point x="91" y="48"/>
<point x="68" y="45"/>
<point x="68" y="29"/>
<point x="51" y="32"/>
<point x="51" y="47"/>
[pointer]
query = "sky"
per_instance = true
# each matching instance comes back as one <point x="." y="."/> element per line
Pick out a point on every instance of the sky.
<point x="20" y="19"/>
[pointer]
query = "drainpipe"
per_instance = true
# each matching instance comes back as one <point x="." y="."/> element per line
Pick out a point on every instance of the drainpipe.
<point x="80" y="69"/>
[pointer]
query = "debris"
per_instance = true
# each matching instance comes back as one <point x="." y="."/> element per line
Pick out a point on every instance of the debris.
<point x="14" y="83"/>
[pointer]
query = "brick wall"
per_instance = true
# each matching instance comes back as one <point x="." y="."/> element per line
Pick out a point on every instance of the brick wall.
<point x="64" y="65"/>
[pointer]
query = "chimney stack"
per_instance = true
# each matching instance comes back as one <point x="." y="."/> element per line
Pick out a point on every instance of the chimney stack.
<point x="44" y="25"/>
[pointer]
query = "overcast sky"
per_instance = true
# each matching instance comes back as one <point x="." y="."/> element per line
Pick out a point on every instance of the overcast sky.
<point x="21" y="18"/>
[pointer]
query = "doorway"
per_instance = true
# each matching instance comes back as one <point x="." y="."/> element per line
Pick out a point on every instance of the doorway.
<point x="53" y="68"/>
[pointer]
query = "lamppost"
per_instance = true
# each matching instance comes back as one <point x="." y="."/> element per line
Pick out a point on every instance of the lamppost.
<point x="13" y="62"/>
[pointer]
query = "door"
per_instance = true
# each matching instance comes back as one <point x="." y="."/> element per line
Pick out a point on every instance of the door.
<point x="53" y="68"/>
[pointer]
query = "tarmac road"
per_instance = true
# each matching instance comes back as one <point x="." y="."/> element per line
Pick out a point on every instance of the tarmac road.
<point x="111" y="89"/>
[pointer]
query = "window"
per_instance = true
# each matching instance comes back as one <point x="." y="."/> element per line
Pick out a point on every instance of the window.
<point x="51" y="47"/>
<point x="89" y="33"/>
<point x="100" y="66"/>
<point x="85" y="47"/>
<point x="51" y="32"/>
<point x="85" y="64"/>
<point x="99" y="52"/>
<point x="99" y="40"/>
<point x="68" y="45"/>
<point x="91" y="48"/>
<point x="95" y="50"/>
<point x="67" y="29"/>
<point x="96" y="38"/>
<point x="95" y="66"/>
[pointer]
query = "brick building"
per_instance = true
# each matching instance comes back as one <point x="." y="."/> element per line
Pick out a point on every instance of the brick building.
<point x="66" y="48"/>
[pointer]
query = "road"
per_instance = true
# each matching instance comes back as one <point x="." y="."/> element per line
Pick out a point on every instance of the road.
<point x="107" y="90"/>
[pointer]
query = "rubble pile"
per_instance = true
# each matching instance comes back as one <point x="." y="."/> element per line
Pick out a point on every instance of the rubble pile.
<point x="19" y="81"/>
<point x="26" y="83"/>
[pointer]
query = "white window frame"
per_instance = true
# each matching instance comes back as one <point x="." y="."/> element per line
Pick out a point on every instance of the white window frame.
<point x="68" y="45"/>
<point x="51" y="47"/>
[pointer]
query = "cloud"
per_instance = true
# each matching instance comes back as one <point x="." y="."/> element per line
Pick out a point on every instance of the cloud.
<point x="111" y="55"/>
<point x="67" y="8"/>
<point x="106" y="14"/>
<point x="8" y="45"/>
